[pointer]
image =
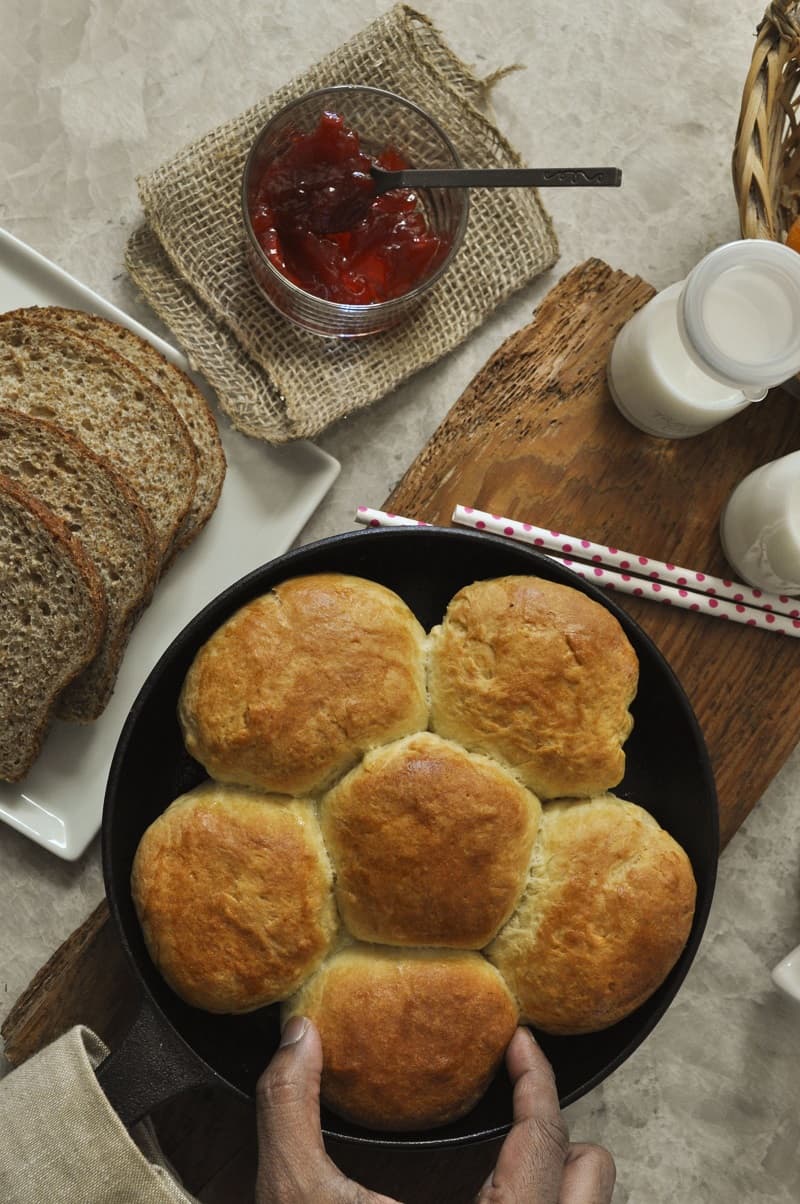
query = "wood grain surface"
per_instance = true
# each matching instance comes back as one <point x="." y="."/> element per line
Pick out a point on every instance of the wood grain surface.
<point x="535" y="436"/>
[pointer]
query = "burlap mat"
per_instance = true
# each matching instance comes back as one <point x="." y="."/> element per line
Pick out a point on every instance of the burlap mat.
<point x="278" y="382"/>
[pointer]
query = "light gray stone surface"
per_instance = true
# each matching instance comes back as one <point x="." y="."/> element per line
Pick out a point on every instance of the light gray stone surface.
<point x="93" y="92"/>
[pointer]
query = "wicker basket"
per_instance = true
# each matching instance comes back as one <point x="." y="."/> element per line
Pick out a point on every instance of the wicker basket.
<point x="766" y="155"/>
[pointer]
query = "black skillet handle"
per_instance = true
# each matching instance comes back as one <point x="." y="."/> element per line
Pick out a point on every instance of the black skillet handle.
<point x="151" y="1066"/>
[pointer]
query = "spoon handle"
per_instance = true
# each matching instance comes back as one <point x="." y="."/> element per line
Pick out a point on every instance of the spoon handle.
<point x="529" y="177"/>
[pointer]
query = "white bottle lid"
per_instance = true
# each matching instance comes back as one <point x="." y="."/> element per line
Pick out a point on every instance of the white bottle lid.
<point x="739" y="313"/>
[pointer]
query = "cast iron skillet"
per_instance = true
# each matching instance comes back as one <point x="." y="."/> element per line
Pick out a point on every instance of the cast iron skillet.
<point x="172" y="1046"/>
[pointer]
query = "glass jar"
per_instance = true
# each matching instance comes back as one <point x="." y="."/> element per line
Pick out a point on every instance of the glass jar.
<point x="710" y="345"/>
<point x="380" y="118"/>
<point x="760" y="526"/>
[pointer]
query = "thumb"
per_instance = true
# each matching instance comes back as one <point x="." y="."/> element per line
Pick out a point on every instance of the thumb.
<point x="292" y="1163"/>
<point x="293" y="1167"/>
<point x="287" y="1095"/>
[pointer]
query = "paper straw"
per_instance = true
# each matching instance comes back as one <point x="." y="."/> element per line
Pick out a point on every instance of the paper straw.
<point x="671" y="595"/>
<point x="628" y="562"/>
<point x="606" y="578"/>
<point x="379" y="518"/>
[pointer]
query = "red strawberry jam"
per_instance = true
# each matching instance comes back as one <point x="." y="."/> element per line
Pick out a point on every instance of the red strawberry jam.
<point x="316" y="216"/>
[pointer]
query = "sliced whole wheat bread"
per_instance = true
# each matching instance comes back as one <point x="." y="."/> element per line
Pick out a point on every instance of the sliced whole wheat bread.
<point x="99" y="397"/>
<point x="182" y="392"/>
<point x="103" y="513"/>
<point x="52" y="618"/>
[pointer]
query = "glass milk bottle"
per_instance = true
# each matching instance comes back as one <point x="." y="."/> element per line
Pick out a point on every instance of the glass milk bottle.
<point x="706" y="347"/>
<point x="760" y="527"/>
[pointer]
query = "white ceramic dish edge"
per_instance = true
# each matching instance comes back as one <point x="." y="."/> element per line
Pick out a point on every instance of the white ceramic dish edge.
<point x="786" y="974"/>
<point x="268" y="496"/>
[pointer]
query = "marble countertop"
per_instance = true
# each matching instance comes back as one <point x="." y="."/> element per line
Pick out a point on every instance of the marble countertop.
<point x="94" y="92"/>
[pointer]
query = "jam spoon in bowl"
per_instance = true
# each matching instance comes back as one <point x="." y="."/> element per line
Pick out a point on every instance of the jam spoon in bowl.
<point x="495" y="177"/>
<point x="343" y="211"/>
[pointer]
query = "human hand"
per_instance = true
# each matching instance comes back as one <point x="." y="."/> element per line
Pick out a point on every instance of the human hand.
<point x="293" y="1167"/>
<point x="537" y="1164"/>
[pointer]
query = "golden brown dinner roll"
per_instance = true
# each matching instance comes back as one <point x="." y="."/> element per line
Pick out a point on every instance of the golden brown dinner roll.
<point x="233" y="892"/>
<point x="430" y="844"/>
<point x="604" y="918"/>
<point x="298" y="683"/>
<point x="539" y="676"/>
<point x="410" y="1040"/>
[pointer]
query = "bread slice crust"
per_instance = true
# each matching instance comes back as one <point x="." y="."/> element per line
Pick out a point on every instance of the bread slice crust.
<point x="92" y="392"/>
<point x="182" y="392"/>
<point x="52" y="619"/>
<point x="104" y="514"/>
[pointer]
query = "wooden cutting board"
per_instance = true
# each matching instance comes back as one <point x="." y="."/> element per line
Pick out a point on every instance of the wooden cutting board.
<point x="536" y="437"/>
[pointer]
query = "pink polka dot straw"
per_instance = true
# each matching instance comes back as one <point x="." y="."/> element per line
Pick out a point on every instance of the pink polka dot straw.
<point x="379" y="518"/>
<point x="644" y="577"/>
<point x="640" y="576"/>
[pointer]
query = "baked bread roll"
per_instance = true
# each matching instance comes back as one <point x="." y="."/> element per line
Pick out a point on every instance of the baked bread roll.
<point x="430" y="844"/>
<point x="605" y="916"/>
<point x="464" y="903"/>
<point x="410" y="1040"/>
<point x="233" y="892"/>
<point x="539" y="676"/>
<point x="292" y="689"/>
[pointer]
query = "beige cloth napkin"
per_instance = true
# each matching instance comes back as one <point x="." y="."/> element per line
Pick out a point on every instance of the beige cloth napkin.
<point x="62" y="1142"/>
<point x="278" y="382"/>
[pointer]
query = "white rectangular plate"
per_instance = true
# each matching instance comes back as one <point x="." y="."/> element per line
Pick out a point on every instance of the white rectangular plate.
<point x="268" y="496"/>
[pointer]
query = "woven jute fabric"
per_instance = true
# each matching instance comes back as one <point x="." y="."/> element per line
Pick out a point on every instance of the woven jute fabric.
<point x="60" y="1139"/>
<point x="274" y="380"/>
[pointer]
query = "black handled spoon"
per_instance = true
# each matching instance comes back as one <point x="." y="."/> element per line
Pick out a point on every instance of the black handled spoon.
<point x="348" y="201"/>
<point x="495" y="177"/>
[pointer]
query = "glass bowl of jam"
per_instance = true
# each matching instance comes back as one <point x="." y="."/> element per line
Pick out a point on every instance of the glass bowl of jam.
<point x="327" y="251"/>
